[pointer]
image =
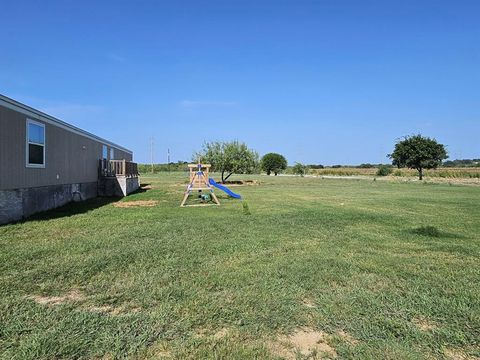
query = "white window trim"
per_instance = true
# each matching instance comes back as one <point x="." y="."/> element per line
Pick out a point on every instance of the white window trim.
<point x="27" y="142"/>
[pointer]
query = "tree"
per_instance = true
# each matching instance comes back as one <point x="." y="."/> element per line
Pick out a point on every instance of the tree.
<point x="299" y="169"/>
<point x="418" y="152"/>
<point x="228" y="158"/>
<point x="273" y="162"/>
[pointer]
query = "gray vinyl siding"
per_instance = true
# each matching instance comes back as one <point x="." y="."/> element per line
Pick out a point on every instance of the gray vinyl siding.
<point x="71" y="156"/>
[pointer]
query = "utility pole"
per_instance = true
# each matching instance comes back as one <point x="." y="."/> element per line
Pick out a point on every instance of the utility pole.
<point x="168" y="156"/>
<point x="151" y="152"/>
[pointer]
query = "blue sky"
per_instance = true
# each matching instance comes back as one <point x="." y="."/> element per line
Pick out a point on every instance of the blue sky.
<point x="319" y="81"/>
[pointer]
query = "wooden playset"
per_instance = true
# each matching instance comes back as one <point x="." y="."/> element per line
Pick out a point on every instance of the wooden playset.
<point x="199" y="182"/>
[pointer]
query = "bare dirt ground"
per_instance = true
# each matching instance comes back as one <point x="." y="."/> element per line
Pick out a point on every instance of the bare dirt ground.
<point x="76" y="297"/>
<point x="138" y="203"/>
<point x="304" y="341"/>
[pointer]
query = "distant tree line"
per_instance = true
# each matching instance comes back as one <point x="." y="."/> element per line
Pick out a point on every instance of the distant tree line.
<point x="234" y="157"/>
<point x="173" y="166"/>
<point x="462" y="163"/>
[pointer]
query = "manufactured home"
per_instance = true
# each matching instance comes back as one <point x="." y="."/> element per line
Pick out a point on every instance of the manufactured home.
<point x="46" y="163"/>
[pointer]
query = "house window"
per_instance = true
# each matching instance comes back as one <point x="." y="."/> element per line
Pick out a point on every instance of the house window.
<point x="35" y="144"/>
<point x="112" y="154"/>
<point x="104" y="152"/>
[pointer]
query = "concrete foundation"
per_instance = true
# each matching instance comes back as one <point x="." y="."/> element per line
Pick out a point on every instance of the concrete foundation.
<point x="117" y="186"/>
<point x="21" y="203"/>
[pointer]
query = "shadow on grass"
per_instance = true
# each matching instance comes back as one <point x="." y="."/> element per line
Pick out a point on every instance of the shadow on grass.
<point x="75" y="208"/>
<point x="72" y="209"/>
<point x="143" y="188"/>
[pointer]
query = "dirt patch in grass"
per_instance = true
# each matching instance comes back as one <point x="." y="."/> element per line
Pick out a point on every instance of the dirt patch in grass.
<point x="220" y="334"/>
<point x="138" y="203"/>
<point x="75" y="296"/>
<point x="309" y="303"/>
<point x="304" y="341"/>
<point x="241" y="182"/>
<point x="158" y="350"/>
<point x="71" y="296"/>
<point x="456" y="354"/>
<point x="217" y="335"/>
<point x="424" y="324"/>
<point x="112" y="310"/>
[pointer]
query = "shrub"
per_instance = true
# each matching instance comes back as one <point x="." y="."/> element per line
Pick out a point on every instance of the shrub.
<point x="427" y="231"/>
<point x="299" y="169"/>
<point x="384" y="170"/>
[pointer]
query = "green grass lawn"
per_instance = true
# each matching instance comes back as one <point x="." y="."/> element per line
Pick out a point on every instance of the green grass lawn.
<point x="339" y="261"/>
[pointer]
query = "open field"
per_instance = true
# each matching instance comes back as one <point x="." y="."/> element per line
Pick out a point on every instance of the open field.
<point x="320" y="268"/>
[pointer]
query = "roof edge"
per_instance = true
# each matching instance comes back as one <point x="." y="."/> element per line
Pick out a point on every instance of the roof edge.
<point x="39" y="115"/>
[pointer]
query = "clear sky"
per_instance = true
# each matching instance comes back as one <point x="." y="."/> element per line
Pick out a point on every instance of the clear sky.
<point x="318" y="81"/>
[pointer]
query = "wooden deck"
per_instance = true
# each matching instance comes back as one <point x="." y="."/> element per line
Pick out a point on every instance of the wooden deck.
<point x="112" y="168"/>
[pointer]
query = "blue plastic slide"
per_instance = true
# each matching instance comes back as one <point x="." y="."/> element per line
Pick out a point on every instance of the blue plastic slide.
<point x="224" y="188"/>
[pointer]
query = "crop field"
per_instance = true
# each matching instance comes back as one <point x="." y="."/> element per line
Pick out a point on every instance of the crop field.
<point x="455" y="173"/>
<point x="299" y="268"/>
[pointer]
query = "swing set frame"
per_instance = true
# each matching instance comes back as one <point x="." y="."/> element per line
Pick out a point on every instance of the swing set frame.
<point x="199" y="175"/>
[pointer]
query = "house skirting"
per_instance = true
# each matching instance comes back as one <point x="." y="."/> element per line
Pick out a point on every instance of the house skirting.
<point x="19" y="204"/>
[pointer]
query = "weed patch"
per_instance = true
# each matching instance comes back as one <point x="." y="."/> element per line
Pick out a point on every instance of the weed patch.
<point x="431" y="231"/>
<point x="245" y="208"/>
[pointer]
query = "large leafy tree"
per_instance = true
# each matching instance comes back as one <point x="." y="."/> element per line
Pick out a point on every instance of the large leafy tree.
<point x="228" y="158"/>
<point x="273" y="162"/>
<point x="418" y="152"/>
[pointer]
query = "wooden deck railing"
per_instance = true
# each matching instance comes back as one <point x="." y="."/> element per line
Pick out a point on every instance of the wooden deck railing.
<point x="117" y="168"/>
